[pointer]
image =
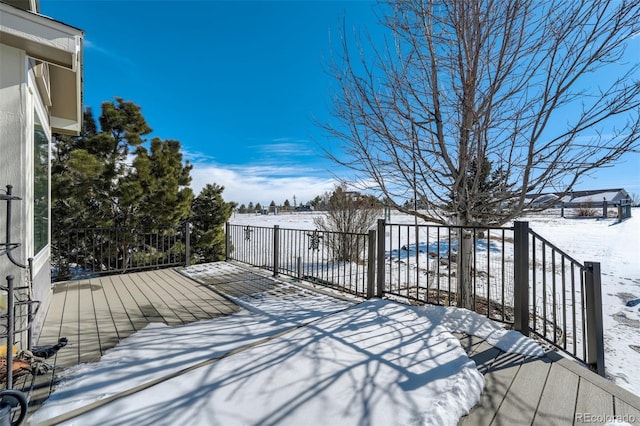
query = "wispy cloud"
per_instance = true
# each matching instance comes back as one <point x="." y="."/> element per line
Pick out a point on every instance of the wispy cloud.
<point x="258" y="184"/>
<point x="287" y="147"/>
<point x="197" y="156"/>
<point x="90" y="45"/>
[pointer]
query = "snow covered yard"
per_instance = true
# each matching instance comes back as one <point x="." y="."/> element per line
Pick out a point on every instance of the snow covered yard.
<point x="615" y="245"/>
<point x="611" y="243"/>
<point x="290" y="357"/>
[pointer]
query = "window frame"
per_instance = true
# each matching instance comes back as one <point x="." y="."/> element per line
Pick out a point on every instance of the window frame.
<point x="40" y="122"/>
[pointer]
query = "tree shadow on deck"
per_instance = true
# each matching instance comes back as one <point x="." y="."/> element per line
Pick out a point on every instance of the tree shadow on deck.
<point x="351" y="364"/>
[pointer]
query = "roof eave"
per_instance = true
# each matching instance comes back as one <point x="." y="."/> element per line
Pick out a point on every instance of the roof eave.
<point x="57" y="44"/>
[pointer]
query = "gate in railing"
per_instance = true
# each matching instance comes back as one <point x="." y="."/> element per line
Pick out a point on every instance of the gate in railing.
<point x="512" y="274"/>
<point x="86" y="252"/>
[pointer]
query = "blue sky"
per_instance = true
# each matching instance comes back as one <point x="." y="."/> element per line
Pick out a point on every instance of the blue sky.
<point x="238" y="83"/>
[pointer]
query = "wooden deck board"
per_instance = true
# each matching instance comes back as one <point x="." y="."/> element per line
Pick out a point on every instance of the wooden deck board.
<point x="172" y="296"/>
<point x="89" y="341"/>
<point x="95" y="314"/>
<point x="40" y="387"/>
<point x="119" y="316"/>
<point x="107" y="330"/>
<point x="520" y="402"/>
<point x="558" y="401"/>
<point x="469" y="343"/>
<point x="498" y="379"/>
<point x="132" y="295"/>
<point x="626" y="411"/>
<point x="69" y="327"/>
<point x="483" y="355"/>
<point x="185" y="295"/>
<point x="211" y="301"/>
<point x="161" y="301"/>
<point x="592" y="399"/>
<point x="199" y="295"/>
<point x="51" y="333"/>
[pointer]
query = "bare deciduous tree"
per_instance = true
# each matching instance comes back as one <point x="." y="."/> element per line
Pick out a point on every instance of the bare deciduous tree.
<point x="518" y="84"/>
<point x="349" y="215"/>
<point x="470" y="105"/>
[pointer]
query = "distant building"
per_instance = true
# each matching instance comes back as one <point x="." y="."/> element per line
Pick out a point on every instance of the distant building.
<point x="611" y="196"/>
<point x="572" y="199"/>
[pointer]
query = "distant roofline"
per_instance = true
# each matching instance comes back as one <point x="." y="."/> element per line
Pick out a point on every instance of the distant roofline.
<point x="577" y="192"/>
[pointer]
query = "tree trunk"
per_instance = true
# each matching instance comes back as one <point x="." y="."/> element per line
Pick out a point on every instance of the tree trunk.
<point x="464" y="270"/>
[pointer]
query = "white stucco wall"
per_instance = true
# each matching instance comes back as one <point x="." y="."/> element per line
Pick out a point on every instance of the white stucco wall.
<point x="18" y="100"/>
<point x="13" y="122"/>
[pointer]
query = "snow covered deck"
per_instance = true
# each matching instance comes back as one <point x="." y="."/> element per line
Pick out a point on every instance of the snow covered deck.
<point x="95" y="314"/>
<point x="549" y="390"/>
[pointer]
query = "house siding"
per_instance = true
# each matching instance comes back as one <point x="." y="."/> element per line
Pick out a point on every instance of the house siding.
<point x="29" y="42"/>
<point x="18" y="99"/>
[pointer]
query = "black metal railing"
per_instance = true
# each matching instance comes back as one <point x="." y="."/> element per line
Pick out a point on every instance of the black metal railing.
<point x="566" y="302"/>
<point x="331" y="259"/>
<point x="508" y="274"/>
<point x="428" y="263"/>
<point x="86" y="252"/>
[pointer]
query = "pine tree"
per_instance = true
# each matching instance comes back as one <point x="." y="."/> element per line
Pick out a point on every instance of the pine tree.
<point x="484" y="190"/>
<point x="166" y="197"/>
<point x="209" y="214"/>
<point x="93" y="184"/>
<point x="92" y="169"/>
<point x="96" y="184"/>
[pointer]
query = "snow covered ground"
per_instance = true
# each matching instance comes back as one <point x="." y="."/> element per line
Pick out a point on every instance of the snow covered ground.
<point x="312" y="359"/>
<point x="615" y="245"/>
<point x="299" y="358"/>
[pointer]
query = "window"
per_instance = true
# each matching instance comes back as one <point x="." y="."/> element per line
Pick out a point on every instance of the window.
<point x="40" y="187"/>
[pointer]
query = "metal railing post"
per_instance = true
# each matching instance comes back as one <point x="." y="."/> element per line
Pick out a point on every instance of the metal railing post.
<point x="371" y="264"/>
<point x="30" y="306"/>
<point x="380" y="258"/>
<point x="595" y="331"/>
<point x="187" y="244"/>
<point x="276" y="249"/>
<point x="10" y="330"/>
<point x="521" y="277"/>
<point x="227" y="241"/>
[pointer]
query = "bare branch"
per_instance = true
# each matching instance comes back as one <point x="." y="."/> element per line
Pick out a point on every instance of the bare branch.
<point x="456" y="84"/>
